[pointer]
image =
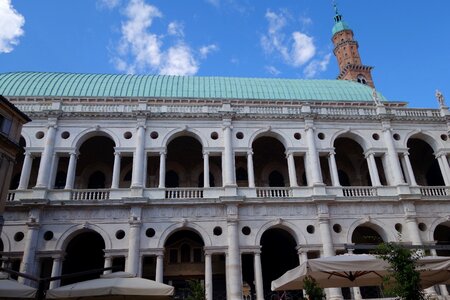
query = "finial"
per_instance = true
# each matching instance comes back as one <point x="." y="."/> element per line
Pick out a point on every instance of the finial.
<point x="440" y="98"/>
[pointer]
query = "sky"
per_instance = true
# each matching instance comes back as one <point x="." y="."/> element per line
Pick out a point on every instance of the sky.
<point x="406" y="41"/>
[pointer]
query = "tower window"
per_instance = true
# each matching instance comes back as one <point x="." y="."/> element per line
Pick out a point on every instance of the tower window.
<point x="361" y="79"/>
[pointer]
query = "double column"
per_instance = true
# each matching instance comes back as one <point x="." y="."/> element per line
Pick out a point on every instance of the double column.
<point x="70" y="180"/>
<point x="443" y="165"/>
<point x="116" y="170"/>
<point x="47" y="157"/>
<point x="315" y="176"/>
<point x="228" y="154"/>
<point x="409" y="170"/>
<point x="392" y="155"/>
<point x="137" y="180"/>
<point x="333" y="168"/>
<point x="250" y="169"/>
<point x="373" y="170"/>
<point x="291" y="169"/>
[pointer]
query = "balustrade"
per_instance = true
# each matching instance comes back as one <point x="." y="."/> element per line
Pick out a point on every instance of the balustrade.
<point x="184" y="193"/>
<point x="359" y="191"/>
<point x="273" y="192"/>
<point x="435" y="191"/>
<point x="90" y="195"/>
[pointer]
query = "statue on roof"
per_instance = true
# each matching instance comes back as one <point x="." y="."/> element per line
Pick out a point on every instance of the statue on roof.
<point x="440" y="98"/>
<point x="375" y="98"/>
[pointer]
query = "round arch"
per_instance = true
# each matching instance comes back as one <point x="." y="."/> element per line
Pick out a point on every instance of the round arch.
<point x="386" y="235"/>
<point x="27" y="138"/>
<point x="355" y="136"/>
<point x="273" y="133"/>
<point x="425" y="136"/>
<point x="6" y="242"/>
<point x="441" y="221"/>
<point x="93" y="132"/>
<point x="189" y="132"/>
<point x="291" y="228"/>
<point x="71" y="232"/>
<point x="184" y="226"/>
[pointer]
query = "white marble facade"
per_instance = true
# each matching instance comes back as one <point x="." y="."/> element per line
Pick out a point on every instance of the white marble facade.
<point x="318" y="172"/>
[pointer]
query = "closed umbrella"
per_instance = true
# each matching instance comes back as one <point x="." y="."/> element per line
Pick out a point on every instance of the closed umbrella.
<point x="120" y="285"/>
<point x="11" y="289"/>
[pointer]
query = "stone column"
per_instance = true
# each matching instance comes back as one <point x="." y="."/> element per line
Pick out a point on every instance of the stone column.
<point x="205" y="169"/>
<point x="291" y="169"/>
<point x="333" y="169"/>
<point x="162" y="169"/>
<point x="26" y="171"/>
<point x="228" y="165"/>
<point x="250" y="169"/>
<point x="108" y="263"/>
<point x="327" y="242"/>
<point x="373" y="170"/>
<point x="443" y="166"/>
<point x="46" y="158"/>
<point x="134" y="246"/>
<point x="116" y="171"/>
<point x="138" y="159"/>
<point x="56" y="271"/>
<point x="159" y="267"/>
<point x="392" y="156"/>
<point x="53" y="171"/>
<point x="233" y="267"/>
<point x="70" y="180"/>
<point x="258" y="276"/>
<point x="208" y="277"/>
<point x="29" y="253"/>
<point x="312" y="155"/>
<point x="409" y="169"/>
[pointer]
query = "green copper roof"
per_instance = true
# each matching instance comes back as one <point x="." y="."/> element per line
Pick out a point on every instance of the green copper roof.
<point x="339" y="23"/>
<point x="37" y="84"/>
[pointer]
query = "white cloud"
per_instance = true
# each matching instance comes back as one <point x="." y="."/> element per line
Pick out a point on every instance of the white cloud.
<point x="175" y="28"/>
<point x="179" y="61"/>
<point x="110" y="4"/>
<point x="296" y="50"/>
<point x="317" y="66"/>
<point x="11" y="23"/>
<point x="141" y="50"/>
<point x="303" y="49"/>
<point x="213" y="2"/>
<point x="272" y="70"/>
<point x="206" y="50"/>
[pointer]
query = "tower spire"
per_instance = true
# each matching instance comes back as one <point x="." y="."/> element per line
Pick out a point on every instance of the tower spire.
<point x="347" y="54"/>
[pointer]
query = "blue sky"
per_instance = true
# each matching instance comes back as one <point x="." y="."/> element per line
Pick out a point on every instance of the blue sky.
<point x="407" y="42"/>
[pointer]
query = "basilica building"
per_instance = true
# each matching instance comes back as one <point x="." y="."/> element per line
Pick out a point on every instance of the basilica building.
<point x="229" y="181"/>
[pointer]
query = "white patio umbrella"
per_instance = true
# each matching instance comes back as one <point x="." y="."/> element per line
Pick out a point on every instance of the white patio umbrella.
<point x="120" y="285"/>
<point x="357" y="270"/>
<point x="10" y="289"/>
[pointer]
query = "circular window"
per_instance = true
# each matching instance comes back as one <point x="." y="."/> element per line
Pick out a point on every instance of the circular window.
<point x="150" y="232"/>
<point x="321" y="136"/>
<point x="444" y="137"/>
<point x="217" y="230"/>
<point x="246" y="230"/>
<point x="396" y="136"/>
<point x="310" y="229"/>
<point x="214" y="135"/>
<point x="65" y="135"/>
<point x="120" y="234"/>
<point x="297" y="136"/>
<point x="154" y="135"/>
<point x="422" y="226"/>
<point x="48" y="235"/>
<point x="375" y="136"/>
<point x="39" y="135"/>
<point x="337" y="228"/>
<point x="127" y="135"/>
<point x="19" y="236"/>
<point x="398" y="227"/>
<point x="239" y="135"/>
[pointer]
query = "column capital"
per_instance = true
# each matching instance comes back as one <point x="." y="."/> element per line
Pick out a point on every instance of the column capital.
<point x="117" y="153"/>
<point x="52" y="125"/>
<point x="309" y="127"/>
<point x="405" y="153"/>
<point x="28" y="153"/>
<point x="135" y="223"/>
<point x="249" y="152"/>
<point x="74" y="152"/>
<point x="163" y="152"/>
<point x="440" y="153"/>
<point x="33" y="225"/>
<point x="206" y="152"/>
<point x="369" y="153"/>
<point x="288" y="153"/>
<point x="331" y="153"/>
<point x="139" y="125"/>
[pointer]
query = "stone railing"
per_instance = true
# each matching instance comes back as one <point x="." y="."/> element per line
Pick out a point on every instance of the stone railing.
<point x="273" y="192"/>
<point x="434" y="191"/>
<point x="90" y="194"/>
<point x="11" y="196"/>
<point x="344" y="111"/>
<point x="184" y="193"/>
<point x="405" y="112"/>
<point x="359" y="191"/>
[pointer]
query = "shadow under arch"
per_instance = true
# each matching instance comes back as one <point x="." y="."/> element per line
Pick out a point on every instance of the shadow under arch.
<point x="184" y="132"/>
<point x="432" y="228"/>
<point x="6" y="241"/>
<point x="352" y="135"/>
<point x="184" y="226"/>
<point x="380" y="228"/>
<point x="273" y="133"/>
<point x="74" y="230"/>
<point x="93" y="132"/>
<point x="425" y="137"/>
<point x="281" y="224"/>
